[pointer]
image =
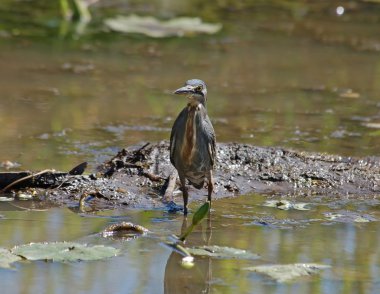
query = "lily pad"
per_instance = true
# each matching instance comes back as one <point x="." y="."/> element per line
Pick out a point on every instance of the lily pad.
<point x="152" y="27"/>
<point x="7" y="258"/>
<point x="349" y="217"/>
<point x="222" y="252"/>
<point x="286" y="205"/>
<point x="372" y="125"/>
<point x="64" y="251"/>
<point x="287" y="272"/>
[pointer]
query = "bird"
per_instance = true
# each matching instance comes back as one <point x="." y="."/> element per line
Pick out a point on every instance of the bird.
<point x="192" y="141"/>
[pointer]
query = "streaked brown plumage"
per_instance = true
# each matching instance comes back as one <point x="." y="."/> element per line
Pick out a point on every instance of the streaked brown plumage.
<point x="192" y="140"/>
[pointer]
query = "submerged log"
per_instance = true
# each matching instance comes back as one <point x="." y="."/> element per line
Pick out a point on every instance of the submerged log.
<point x="139" y="176"/>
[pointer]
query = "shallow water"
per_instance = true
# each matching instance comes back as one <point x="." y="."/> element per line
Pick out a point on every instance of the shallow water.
<point x="299" y="77"/>
<point x="348" y="243"/>
<point x="64" y="101"/>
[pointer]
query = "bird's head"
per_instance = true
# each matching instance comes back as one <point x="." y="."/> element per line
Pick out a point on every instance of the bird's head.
<point x="195" y="90"/>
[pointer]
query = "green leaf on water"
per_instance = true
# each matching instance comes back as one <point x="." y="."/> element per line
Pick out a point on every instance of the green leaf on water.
<point x="361" y="219"/>
<point x="286" y="205"/>
<point x="7" y="258"/>
<point x="152" y="27"/>
<point x="287" y="272"/>
<point x="300" y="206"/>
<point x="64" y="251"/>
<point x="222" y="252"/>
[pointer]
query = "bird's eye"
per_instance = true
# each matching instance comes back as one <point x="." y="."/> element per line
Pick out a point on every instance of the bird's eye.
<point x="198" y="88"/>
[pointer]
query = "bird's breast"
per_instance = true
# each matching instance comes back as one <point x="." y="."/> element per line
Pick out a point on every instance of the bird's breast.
<point x="190" y="136"/>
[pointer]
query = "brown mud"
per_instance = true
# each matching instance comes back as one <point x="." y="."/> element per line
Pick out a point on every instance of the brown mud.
<point x="138" y="177"/>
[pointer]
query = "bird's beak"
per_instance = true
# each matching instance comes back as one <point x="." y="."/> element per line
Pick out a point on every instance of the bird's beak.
<point x="184" y="90"/>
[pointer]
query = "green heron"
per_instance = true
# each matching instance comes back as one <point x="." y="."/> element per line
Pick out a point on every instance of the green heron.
<point x="192" y="141"/>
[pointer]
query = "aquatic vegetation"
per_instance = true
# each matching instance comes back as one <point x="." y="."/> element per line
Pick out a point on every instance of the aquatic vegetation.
<point x="152" y="27"/>
<point x="222" y="252"/>
<point x="63" y="251"/>
<point x="287" y="272"/>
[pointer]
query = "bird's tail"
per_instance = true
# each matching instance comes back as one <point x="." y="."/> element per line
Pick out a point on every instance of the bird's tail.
<point x="198" y="185"/>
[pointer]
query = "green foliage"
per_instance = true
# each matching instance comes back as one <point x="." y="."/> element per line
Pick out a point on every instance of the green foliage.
<point x="198" y="216"/>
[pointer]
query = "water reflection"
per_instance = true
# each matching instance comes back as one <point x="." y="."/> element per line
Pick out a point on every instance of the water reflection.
<point x="270" y="82"/>
<point x="349" y="244"/>
<point x="197" y="279"/>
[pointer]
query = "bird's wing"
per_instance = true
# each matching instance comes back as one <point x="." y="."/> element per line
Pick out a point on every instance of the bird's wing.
<point x="172" y="144"/>
<point x="211" y="139"/>
<point x="212" y="150"/>
<point x="174" y="135"/>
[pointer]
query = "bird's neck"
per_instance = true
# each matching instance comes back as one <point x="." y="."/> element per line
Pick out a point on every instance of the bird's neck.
<point x="197" y="100"/>
<point x="195" y="105"/>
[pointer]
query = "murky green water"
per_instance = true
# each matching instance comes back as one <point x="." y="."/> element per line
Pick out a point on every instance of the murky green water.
<point x="348" y="242"/>
<point x="297" y="76"/>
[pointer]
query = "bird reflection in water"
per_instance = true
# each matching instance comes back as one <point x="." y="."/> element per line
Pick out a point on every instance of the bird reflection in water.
<point x="196" y="279"/>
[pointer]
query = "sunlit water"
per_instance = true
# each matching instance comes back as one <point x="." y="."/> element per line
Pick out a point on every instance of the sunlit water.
<point x="65" y="103"/>
<point x="274" y="79"/>
<point x="349" y="244"/>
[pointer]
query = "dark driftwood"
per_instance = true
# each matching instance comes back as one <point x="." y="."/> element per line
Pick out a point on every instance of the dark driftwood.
<point x="133" y="176"/>
<point x="44" y="179"/>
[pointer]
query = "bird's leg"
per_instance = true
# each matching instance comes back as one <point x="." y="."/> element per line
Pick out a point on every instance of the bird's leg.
<point x="210" y="185"/>
<point x="185" y="194"/>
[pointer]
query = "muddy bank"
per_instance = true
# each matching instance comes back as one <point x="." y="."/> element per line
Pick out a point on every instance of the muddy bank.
<point x="138" y="177"/>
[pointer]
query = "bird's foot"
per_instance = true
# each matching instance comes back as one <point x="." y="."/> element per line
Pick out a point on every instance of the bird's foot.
<point x="172" y="207"/>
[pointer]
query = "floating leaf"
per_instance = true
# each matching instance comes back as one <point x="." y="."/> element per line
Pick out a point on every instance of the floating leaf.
<point x="348" y="93"/>
<point x="349" y="217"/>
<point x="222" y="252"/>
<point x="372" y="125"/>
<point x="300" y="206"/>
<point x="286" y="205"/>
<point x="287" y="272"/>
<point x="361" y="219"/>
<point x="155" y="28"/>
<point x="7" y="258"/>
<point x="63" y="251"/>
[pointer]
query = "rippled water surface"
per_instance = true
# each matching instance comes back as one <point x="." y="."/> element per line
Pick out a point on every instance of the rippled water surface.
<point x="298" y="76"/>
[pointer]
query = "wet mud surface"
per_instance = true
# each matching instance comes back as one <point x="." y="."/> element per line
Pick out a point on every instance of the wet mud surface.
<point x="138" y="177"/>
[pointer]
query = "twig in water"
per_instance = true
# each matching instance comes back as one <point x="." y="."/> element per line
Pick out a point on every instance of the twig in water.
<point x="152" y="177"/>
<point x="168" y="196"/>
